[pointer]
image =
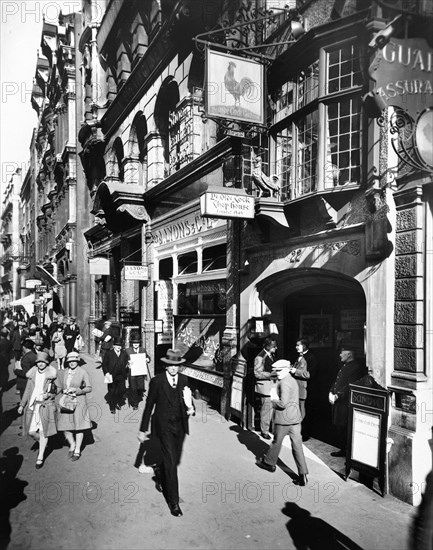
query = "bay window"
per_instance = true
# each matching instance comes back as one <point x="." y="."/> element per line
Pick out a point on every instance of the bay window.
<point x="317" y="139"/>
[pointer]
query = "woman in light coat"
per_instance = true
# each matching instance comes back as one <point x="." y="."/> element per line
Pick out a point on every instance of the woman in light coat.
<point x="59" y="346"/>
<point x="38" y="404"/>
<point x="75" y="382"/>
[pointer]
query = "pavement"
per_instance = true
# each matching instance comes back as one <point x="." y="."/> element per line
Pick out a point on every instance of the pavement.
<point x="102" y="501"/>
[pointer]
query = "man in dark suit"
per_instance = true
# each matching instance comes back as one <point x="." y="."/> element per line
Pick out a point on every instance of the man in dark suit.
<point x="72" y="330"/>
<point x="115" y="363"/>
<point x="350" y="372"/>
<point x="171" y="397"/>
<point x="287" y="421"/>
<point x="263" y="373"/>
<point x="17" y="336"/>
<point x="136" y="382"/>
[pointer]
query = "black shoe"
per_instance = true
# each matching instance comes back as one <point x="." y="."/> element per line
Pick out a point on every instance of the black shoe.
<point x="118" y="407"/>
<point x="265" y="466"/>
<point x="113" y="411"/>
<point x="39" y="464"/>
<point x="135" y="408"/>
<point x="266" y="436"/>
<point x="341" y="452"/>
<point x="302" y="480"/>
<point x="158" y="485"/>
<point x="305" y="437"/>
<point x="175" y="510"/>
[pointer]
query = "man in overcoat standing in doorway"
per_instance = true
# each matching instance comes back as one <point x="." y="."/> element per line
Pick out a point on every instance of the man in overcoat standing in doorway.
<point x="170" y="398"/>
<point x="350" y="372"/>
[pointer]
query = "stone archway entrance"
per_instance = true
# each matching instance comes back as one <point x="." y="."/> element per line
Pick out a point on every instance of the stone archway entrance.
<point x="326" y="308"/>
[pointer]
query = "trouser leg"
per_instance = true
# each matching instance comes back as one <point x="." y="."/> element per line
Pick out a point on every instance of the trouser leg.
<point x="294" y="431"/>
<point x="171" y="447"/>
<point x="265" y="414"/>
<point x="280" y="432"/>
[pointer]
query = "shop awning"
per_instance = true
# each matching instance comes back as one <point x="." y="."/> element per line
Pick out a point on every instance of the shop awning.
<point x="28" y="303"/>
<point x="47" y="276"/>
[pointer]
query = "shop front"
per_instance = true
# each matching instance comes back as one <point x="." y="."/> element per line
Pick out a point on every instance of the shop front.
<point x="322" y="290"/>
<point x="190" y="295"/>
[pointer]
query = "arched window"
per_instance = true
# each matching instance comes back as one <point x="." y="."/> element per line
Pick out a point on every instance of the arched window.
<point x="138" y="149"/>
<point x="168" y="98"/>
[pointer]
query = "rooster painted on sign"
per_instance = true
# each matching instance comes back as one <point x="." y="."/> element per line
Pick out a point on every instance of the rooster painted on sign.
<point x="244" y="88"/>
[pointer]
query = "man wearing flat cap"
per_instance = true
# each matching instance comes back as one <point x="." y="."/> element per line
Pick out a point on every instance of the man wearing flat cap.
<point x="350" y="372"/>
<point x="287" y="421"/>
<point x="171" y="398"/>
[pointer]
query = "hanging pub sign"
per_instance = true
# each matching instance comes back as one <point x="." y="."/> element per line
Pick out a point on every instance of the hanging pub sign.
<point x="403" y="74"/>
<point x="234" y="88"/>
<point x="368" y="417"/>
<point x="222" y="202"/>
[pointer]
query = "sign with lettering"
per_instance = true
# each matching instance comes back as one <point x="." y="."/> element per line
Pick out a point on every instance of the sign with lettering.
<point x="32" y="283"/>
<point x="164" y="292"/>
<point x="221" y="204"/>
<point x="182" y="229"/>
<point x="209" y="377"/>
<point x="136" y="273"/>
<point x="403" y="74"/>
<point x="41" y="289"/>
<point x="368" y="413"/>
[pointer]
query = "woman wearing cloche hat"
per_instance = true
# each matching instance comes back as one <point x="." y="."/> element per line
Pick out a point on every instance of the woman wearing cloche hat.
<point x="74" y="382"/>
<point x="38" y="403"/>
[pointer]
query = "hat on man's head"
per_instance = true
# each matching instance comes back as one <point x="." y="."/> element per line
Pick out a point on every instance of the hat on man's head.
<point x="117" y="341"/>
<point x="28" y="343"/>
<point x="135" y="339"/>
<point x="280" y="365"/>
<point x="43" y="357"/>
<point x="173" y="357"/>
<point x="72" y="356"/>
<point x="348" y="347"/>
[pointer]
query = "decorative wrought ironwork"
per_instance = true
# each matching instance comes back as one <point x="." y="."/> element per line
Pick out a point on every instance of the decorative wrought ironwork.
<point x="402" y="128"/>
<point x="254" y="29"/>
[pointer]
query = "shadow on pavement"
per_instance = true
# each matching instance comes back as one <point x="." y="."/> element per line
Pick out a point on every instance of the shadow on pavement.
<point x="258" y="448"/>
<point x="7" y="417"/>
<point x="12" y="491"/>
<point x="310" y="533"/>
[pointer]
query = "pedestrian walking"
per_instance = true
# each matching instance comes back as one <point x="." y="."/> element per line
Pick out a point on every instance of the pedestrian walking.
<point x="38" y="404"/>
<point x="137" y="386"/>
<point x="73" y="382"/>
<point x="287" y="421"/>
<point x="350" y="372"/>
<point x="115" y="369"/>
<point x="106" y="340"/>
<point x="58" y="344"/>
<point x="72" y="330"/>
<point x="171" y="400"/>
<point x="17" y="337"/>
<point x="263" y="372"/>
<point x="23" y="366"/>
<point x="6" y="354"/>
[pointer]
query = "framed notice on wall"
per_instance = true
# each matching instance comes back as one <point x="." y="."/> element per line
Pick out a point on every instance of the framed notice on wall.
<point x="317" y="329"/>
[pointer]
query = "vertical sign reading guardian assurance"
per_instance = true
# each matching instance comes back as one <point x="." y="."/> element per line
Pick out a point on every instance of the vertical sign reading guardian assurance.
<point x="234" y="88"/>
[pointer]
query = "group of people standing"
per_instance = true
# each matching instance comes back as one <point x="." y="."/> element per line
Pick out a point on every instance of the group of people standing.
<point x="282" y="388"/>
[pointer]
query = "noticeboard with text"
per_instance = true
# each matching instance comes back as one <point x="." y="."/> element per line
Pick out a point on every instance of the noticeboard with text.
<point x="368" y="414"/>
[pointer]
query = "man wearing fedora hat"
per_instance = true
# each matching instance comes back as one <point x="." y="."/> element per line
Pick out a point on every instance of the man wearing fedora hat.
<point x="115" y="363"/>
<point x="171" y="398"/>
<point x="350" y="372"/>
<point x="287" y="420"/>
<point x="136" y="382"/>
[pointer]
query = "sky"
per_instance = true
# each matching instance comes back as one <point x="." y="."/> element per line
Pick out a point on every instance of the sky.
<point x="20" y="35"/>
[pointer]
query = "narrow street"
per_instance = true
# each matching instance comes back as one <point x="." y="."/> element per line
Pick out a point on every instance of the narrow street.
<point x="103" y="502"/>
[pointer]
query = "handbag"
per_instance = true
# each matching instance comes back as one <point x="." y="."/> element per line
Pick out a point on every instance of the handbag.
<point x="67" y="403"/>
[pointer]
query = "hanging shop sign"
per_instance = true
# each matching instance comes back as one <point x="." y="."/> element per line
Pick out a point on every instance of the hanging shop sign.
<point x="403" y="74"/>
<point x="234" y="88"/>
<point x="99" y="266"/>
<point x="31" y="283"/>
<point x="368" y="416"/>
<point x="136" y="273"/>
<point x="227" y="203"/>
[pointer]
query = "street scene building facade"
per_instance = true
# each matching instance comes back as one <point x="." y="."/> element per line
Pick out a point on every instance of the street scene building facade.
<point x="212" y="173"/>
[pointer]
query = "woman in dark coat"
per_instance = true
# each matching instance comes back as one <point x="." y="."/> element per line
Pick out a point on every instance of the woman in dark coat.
<point x="27" y="362"/>
<point x="38" y="404"/>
